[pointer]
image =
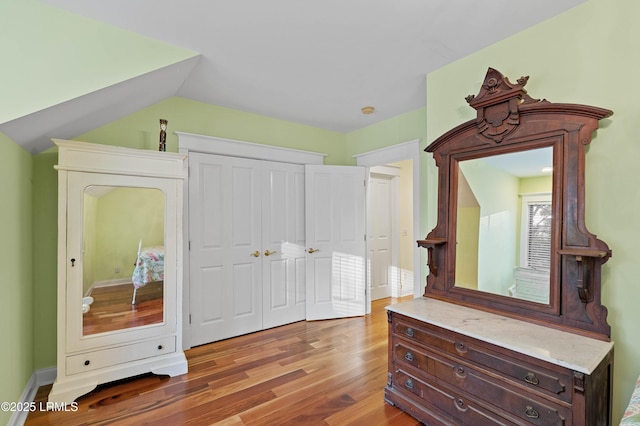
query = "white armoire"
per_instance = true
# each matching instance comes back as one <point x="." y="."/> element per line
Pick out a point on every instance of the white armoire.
<point x="115" y="206"/>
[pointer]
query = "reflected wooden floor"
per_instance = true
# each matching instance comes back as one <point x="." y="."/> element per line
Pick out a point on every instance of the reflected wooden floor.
<point x="112" y="308"/>
<point x="308" y="373"/>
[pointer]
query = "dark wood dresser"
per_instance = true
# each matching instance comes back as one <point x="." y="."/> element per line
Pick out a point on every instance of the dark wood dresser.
<point x="453" y="365"/>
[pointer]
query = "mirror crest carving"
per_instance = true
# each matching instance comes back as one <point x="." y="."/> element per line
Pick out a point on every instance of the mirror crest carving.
<point x="498" y="105"/>
<point x="546" y="249"/>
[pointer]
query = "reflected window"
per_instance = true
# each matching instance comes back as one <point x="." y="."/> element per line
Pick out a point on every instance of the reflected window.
<point x="536" y="238"/>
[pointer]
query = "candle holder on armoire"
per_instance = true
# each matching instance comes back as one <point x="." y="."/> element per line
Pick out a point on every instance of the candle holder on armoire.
<point x="163" y="135"/>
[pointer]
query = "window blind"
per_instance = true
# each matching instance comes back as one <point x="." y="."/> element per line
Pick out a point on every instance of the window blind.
<point x="539" y="236"/>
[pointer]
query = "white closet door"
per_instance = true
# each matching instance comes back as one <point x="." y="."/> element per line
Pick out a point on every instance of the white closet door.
<point x="335" y="224"/>
<point x="380" y="235"/>
<point x="225" y="198"/>
<point x="283" y="239"/>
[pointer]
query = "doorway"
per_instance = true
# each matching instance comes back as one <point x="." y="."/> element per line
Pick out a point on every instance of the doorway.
<point x="399" y="165"/>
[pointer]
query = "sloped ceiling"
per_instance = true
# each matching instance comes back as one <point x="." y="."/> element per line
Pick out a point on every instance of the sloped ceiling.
<point x="73" y="65"/>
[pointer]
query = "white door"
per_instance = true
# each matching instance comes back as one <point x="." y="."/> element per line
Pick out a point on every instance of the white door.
<point x="335" y="224"/>
<point x="225" y="235"/>
<point x="380" y="235"/>
<point x="283" y="238"/>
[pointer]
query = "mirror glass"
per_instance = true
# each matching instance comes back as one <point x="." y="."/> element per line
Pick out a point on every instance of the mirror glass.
<point x="503" y="227"/>
<point x="123" y="254"/>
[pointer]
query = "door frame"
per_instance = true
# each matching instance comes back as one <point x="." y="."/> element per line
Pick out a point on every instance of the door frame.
<point x="403" y="151"/>
<point x="190" y="142"/>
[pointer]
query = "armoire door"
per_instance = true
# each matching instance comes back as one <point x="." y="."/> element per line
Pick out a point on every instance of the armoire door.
<point x="103" y="233"/>
<point x="247" y="259"/>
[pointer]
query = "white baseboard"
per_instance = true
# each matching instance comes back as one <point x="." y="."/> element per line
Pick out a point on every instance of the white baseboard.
<point x="108" y="283"/>
<point x="44" y="376"/>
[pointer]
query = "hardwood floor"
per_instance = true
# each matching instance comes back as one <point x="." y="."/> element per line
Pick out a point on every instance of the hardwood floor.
<point x="308" y="373"/>
<point x="112" y="309"/>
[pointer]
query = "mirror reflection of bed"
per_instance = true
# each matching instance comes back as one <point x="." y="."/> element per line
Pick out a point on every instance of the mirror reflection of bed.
<point x="123" y="258"/>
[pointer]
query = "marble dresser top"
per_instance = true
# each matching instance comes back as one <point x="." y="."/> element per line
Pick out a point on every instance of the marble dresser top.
<point x="569" y="350"/>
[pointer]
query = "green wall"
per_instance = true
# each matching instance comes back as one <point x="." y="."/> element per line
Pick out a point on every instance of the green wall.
<point x="585" y="55"/>
<point x="497" y="194"/>
<point x="142" y="129"/>
<point x="401" y="128"/>
<point x="45" y="249"/>
<point x="467" y="242"/>
<point x="16" y="264"/>
<point x="114" y="223"/>
<point x="125" y="217"/>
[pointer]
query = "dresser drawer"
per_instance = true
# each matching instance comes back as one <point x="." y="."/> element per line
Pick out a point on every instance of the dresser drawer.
<point x="552" y="380"/>
<point x="447" y="403"/>
<point x="520" y="402"/>
<point x="107" y="357"/>
<point x="408" y="355"/>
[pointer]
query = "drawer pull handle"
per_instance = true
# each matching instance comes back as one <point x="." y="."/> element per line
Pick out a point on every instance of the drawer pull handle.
<point x="409" y="384"/>
<point x="531" y="412"/>
<point x="409" y="357"/>
<point x="409" y="332"/>
<point x="87" y="362"/>
<point x="159" y="347"/>
<point x="461" y="370"/>
<point x="531" y="379"/>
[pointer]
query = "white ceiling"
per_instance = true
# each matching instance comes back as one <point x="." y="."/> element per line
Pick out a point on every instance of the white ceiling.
<point x="311" y="62"/>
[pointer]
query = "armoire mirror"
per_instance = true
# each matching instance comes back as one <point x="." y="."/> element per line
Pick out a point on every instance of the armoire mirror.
<point x="122" y="258"/>
<point x="511" y="236"/>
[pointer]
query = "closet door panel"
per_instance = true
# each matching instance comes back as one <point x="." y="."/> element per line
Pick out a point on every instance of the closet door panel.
<point x="283" y="243"/>
<point x="211" y="306"/>
<point x="245" y="291"/>
<point x="225" y="257"/>
<point x="276" y="285"/>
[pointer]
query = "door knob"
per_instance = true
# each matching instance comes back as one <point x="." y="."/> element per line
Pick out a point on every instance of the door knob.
<point x="311" y="250"/>
<point x="256" y="253"/>
<point x="269" y="253"/>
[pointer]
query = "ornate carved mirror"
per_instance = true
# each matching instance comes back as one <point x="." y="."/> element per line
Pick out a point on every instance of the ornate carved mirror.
<point x="511" y="236"/>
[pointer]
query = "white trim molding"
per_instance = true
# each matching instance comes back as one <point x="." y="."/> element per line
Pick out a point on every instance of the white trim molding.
<point x="42" y="377"/>
<point x="403" y="151"/>
<point x="189" y="142"/>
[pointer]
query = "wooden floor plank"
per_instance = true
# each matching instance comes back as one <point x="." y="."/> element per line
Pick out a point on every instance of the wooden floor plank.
<point x="330" y="372"/>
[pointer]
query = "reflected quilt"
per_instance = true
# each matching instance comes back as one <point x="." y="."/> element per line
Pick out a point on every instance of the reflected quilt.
<point x="632" y="414"/>
<point x="149" y="267"/>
